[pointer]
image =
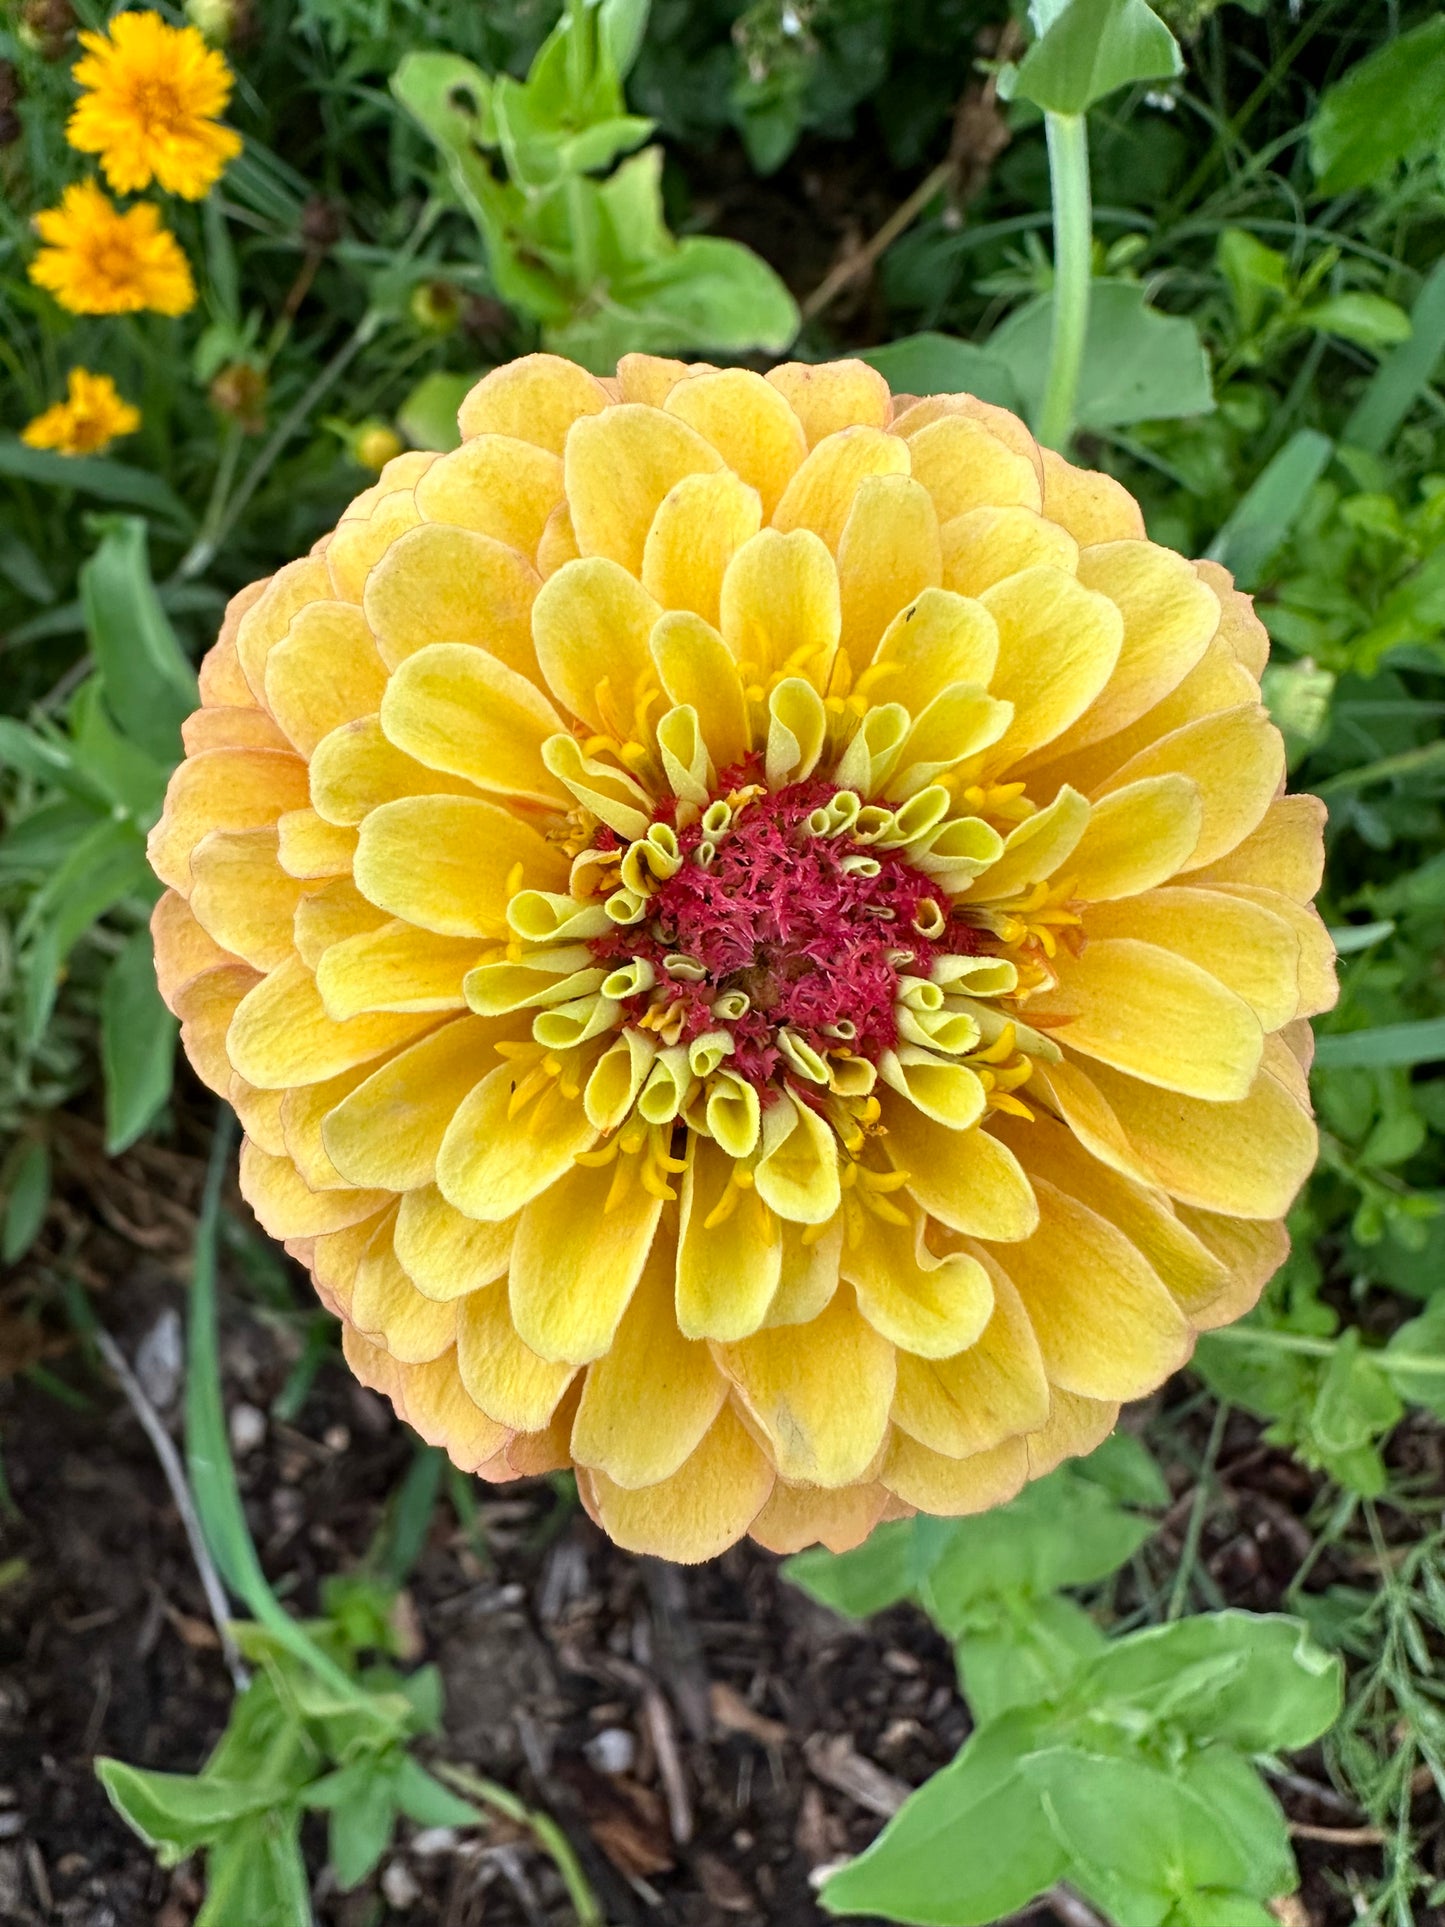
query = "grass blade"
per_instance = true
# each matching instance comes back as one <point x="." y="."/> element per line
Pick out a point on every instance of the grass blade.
<point x="1269" y="509"/>
<point x="1383" y="1047"/>
<point x="1404" y="374"/>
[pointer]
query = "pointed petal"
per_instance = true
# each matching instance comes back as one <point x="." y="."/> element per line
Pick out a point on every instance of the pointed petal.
<point x="728" y="1273"/>
<point x="1137" y="837"/>
<point x="281" y="1035"/>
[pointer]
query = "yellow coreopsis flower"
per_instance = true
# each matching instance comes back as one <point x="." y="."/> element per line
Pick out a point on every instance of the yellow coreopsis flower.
<point x="153" y="95"/>
<point x="98" y="260"/>
<point x="755" y="931"/>
<point x="92" y="416"/>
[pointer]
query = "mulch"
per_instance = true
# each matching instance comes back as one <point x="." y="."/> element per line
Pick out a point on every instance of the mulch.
<point x="708" y="1738"/>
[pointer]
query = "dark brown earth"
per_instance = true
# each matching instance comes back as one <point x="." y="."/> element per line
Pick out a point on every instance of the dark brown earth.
<point x="749" y="1737"/>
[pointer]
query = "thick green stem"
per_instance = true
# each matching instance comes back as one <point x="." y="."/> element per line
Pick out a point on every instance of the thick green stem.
<point x="1068" y="137"/>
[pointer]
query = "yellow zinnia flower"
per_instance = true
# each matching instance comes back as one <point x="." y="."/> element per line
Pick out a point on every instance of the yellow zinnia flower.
<point x="90" y="418"/>
<point x="99" y="261"/>
<point x="153" y="95"/>
<point x="755" y="932"/>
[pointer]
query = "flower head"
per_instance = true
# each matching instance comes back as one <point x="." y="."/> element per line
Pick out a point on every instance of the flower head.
<point x="98" y="260"/>
<point x="153" y="95"/>
<point x="90" y="418"/>
<point x="755" y="933"/>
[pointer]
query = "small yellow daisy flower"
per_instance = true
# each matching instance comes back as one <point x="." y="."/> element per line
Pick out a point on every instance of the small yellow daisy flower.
<point x="90" y="418"/>
<point x="98" y="260"/>
<point x="153" y="94"/>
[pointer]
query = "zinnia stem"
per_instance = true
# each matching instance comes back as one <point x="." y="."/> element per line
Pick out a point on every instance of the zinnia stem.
<point x="544" y="1828"/>
<point x="1068" y="138"/>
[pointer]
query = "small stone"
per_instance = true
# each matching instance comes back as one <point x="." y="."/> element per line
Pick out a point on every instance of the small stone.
<point x="400" y="1886"/>
<point x="432" y="1841"/>
<point x="248" y="1429"/>
<point x="160" y="1359"/>
<point x="613" y="1750"/>
<point x="336" y="1438"/>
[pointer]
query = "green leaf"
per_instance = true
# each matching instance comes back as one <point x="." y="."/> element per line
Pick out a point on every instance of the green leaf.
<point x="1018" y="1650"/>
<point x="935" y="364"/>
<point x="255" y="1874"/>
<point x="1256" y="274"/>
<point x="174" y="1813"/>
<point x="427" y="1803"/>
<point x="1139" y="365"/>
<point x="622" y="24"/>
<point x="362" y="1801"/>
<point x="1422" y="1338"/>
<point x="1368" y="319"/>
<point x="137" y="1044"/>
<point x="96" y="475"/>
<point x="1386" y="1044"/>
<point x="1271" y="506"/>
<point x="708" y="294"/>
<point x="1138" y="1836"/>
<point x="1127" y="1470"/>
<point x="1257" y="1681"/>
<point x="1356" y="1402"/>
<point x="27" y="1194"/>
<point x="1403" y="377"/>
<point x="973" y="1843"/>
<point x="1386" y="109"/>
<point x="428" y="416"/>
<point x="101" y="869"/>
<point x="857" y="1584"/>
<point x="150" y="688"/>
<point x="1088" y="49"/>
<point x="132" y="781"/>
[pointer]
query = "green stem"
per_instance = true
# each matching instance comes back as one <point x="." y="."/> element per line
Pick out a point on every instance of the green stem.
<point x="1068" y="137"/>
<point x="1300" y="1343"/>
<point x="1408" y="762"/>
<point x="549" y="1835"/>
<point x="579" y="214"/>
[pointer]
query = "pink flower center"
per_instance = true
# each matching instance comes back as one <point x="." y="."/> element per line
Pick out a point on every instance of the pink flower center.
<point x="812" y="929"/>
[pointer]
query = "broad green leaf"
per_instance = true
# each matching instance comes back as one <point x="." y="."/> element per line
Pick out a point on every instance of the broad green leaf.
<point x="105" y="866"/>
<point x="709" y="294"/>
<point x="622" y="24"/>
<point x="1271" y="506"/>
<point x="1060" y="1531"/>
<point x="131" y="780"/>
<point x="860" y="1583"/>
<point x="27" y="1194"/>
<point x="41" y="841"/>
<point x="1368" y="319"/>
<point x="1421" y="1339"/>
<point x="426" y="1802"/>
<point x="1402" y="378"/>
<point x="428" y="416"/>
<point x="1088" y="49"/>
<point x="936" y="364"/>
<point x="361" y="1799"/>
<point x="972" y="1844"/>
<point x="1139" y="365"/>
<point x="1356" y="1401"/>
<point x="1256" y="274"/>
<point x="255" y="1875"/>
<point x="97" y="475"/>
<point x="1277" y="1690"/>
<point x="46" y="756"/>
<point x="1020" y="1649"/>
<point x="1137" y="1835"/>
<point x="1422" y="1042"/>
<point x="174" y="1813"/>
<point x="137" y="1044"/>
<point x="149" y="686"/>
<point x="1387" y="108"/>
<point x="1127" y="1470"/>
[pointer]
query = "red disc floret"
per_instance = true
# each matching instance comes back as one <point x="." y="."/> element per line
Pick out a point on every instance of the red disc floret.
<point x="817" y="944"/>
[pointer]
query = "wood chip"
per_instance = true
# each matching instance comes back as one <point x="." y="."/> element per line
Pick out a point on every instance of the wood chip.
<point x="835" y="1761"/>
<point x="732" y="1713"/>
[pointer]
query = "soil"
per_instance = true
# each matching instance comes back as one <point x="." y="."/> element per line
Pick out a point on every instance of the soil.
<point x="707" y="1737"/>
